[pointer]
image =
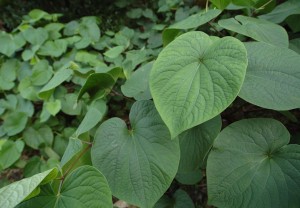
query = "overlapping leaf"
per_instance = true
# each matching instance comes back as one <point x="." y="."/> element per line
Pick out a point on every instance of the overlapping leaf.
<point x="195" y="78"/>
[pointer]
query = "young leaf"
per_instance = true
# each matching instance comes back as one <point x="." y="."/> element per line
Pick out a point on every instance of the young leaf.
<point x="58" y="78"/>
<point x="252" y="165"/>
<point x="97" y="85"/>
<point x="13" y="194"/>
<point x="195" y="78"/>
<point x="94" y="114"/>
<point x="74" y="146"/>
<point x="272" y="79"/>
<point x="260" y="30"/>
<point x="114" y="52"/>
<point x="84" y="187"/>
<point x="139" y="163"/>
<point x="192" y="22"/>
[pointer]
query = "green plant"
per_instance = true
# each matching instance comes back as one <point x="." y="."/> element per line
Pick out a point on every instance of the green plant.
<point x="105" y="113"/>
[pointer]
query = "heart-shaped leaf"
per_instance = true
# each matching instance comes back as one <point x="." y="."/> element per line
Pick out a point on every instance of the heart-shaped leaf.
<point x="251" y="165"/>
<point x="195" y="78"/>
<point x="84" y="187"/>
<point x="272" y="79"/>
<point x="139" y="163"/>
<point x="10" y="152"/>
<point x="15" y="123"/>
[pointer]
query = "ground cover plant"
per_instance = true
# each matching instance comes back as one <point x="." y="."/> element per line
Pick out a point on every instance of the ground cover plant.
<point x="188" y="104"/>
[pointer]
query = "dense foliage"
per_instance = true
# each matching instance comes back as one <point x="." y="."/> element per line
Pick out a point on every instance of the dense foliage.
<point x="90" y="116"/>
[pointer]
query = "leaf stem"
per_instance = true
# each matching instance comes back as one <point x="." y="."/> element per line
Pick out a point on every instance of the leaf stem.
<point x="72" y="165"/>
<point x="76" y="160"/>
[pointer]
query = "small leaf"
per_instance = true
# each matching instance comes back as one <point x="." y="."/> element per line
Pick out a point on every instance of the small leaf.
<point x="74" y="146"/>
<point x="97" y="85"/>
<point x="37" y="137"/>
<point x="53" y="107"/>
<point x="35" y="36"/>
<point x="195" y="78"/>
<point x="41" y="73"/>
<point x="53" y="48"/>
<point x="114" y="52"/>
<point x="93" y="116"/>
<point x="8" y="74"/>
<point x="7" y="43"/>
<point x="13" y="194"/>
<point x="10" y="152"/>
<point x="58" y="78"/>
<point x="137" y="85"/>
<point x="252" y="165"/>
<point x="15" y="123"/>
<point x="131" y="159"/>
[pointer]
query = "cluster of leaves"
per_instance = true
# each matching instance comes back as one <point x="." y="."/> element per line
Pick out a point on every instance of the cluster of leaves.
<point x="66" y="90"/>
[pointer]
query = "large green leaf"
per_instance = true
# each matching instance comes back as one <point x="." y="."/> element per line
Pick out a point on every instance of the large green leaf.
<point x="195" y="78"/>
<point x="282" y="11"/>
<point x="13" y="194"/>
<point x="141" y="162"/>
<point x="258" y="29"/>
<point x="195" y="144"/>
<point x="84" y="187"/>
<point x="252" y="165"/>
<point x="272" y="79"/>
